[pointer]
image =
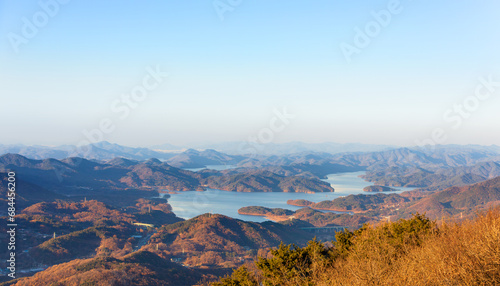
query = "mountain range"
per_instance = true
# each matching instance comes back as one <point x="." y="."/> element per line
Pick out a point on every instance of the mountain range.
<point x="467" y="200"/>
<point x="75" y="175"/>
<point x="115" y="166"/>
<point x="106" y="150"/>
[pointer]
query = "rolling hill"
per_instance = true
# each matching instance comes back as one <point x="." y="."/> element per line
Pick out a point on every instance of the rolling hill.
<point x="455" y="200"/>
<point x="139" y="268"/>
<point x="198" y="159"/>
<point x="26" y="193"/>
<point x="216" y="239"/>
<point x="265" y="181"/>
<point x="77" y="176"/>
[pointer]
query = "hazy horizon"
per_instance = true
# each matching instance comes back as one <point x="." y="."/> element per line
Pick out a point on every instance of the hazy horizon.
<point x="142" y="74"/>
<point x="208" y="145"/>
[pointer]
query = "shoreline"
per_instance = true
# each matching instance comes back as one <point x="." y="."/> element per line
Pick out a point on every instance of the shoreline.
<point x="324" y="209"/>
<point x="274" y="218"/>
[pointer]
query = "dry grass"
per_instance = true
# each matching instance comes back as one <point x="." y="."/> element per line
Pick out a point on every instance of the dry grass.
<point x="466" y="253"/>
<point x="406" y="252"/>
<point x="462" y="254"/>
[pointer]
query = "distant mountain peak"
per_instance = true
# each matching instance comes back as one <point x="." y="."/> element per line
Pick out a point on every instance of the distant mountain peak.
<point x="153" y="161"/>
<point x="121" y="162"/>
<point x="104" y="143"/>
<point x="15" y="159"/>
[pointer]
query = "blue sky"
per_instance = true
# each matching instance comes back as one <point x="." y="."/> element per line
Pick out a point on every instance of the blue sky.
<point x="226" y="76"/>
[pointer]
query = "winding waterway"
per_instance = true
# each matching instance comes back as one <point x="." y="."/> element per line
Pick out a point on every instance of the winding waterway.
<point x="190" y="204"/>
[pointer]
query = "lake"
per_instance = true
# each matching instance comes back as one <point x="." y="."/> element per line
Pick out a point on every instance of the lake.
<point x="212" y="167"/>
<point x="190" y="204"/>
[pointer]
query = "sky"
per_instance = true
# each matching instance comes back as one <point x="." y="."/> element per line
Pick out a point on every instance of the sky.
<point x="143" y="73"/>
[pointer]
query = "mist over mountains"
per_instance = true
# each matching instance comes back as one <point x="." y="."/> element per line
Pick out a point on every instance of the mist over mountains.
<point x="98" y="151"/>
<point x="105" y="150"/>
<point x="112" y="166"/>
<point x="233" y="151"/>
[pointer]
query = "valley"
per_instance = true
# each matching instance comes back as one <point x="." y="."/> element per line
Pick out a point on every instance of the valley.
<point x="216" y="212"/>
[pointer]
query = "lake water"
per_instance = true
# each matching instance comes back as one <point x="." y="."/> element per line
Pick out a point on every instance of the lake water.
<point x="190" y="204"/>
<point x="212" y="167"/>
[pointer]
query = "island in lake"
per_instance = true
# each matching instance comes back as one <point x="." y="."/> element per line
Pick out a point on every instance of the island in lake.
<point x="355" y="203"/>
<point x="275" y="214"/>
<point x="377" y="188"/>
<point x="309" y="217"/>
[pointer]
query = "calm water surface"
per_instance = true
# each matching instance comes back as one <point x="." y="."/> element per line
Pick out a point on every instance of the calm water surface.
<point x="191" y="204"/>
<point x="212" y="167"/>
